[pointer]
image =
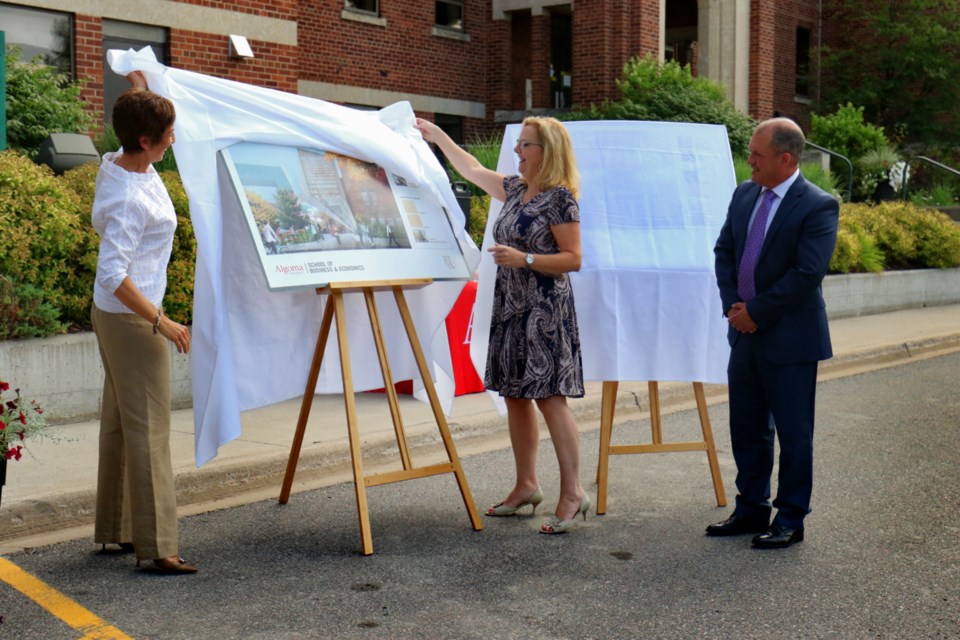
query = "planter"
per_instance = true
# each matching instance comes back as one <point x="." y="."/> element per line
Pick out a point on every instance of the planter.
<point x="3" y="474"/>
<point x="861" y="294"/>
<point x="952" y="212"/>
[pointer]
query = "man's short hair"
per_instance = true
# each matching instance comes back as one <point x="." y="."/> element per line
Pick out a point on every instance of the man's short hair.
<point x="787" y="136"/>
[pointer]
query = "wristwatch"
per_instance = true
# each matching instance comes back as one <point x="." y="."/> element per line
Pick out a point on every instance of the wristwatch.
<point x="529" y="260"/>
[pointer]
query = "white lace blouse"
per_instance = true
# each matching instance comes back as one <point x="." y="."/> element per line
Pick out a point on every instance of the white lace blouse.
<point x="135" y="219"/>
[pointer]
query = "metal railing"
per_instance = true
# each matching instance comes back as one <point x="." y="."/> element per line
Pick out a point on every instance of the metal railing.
<point x="845" y="159"/>
<point x="906" y="172"/>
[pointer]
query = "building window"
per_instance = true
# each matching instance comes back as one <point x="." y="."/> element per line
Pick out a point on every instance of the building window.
<point x="450" y="14"/>
<point x="367" y="6"/>
<point x="37" y="33"/>
<point x="127" y="35"/>
<point x="803" y="62"/>
<point x="451" y="125"/>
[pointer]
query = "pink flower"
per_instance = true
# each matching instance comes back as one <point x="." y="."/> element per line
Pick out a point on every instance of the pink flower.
<point x="4" y="386"/>
<point x="14" y="453"/>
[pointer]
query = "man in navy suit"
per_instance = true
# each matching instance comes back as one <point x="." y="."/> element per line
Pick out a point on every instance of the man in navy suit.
<point x="769" y="275"/>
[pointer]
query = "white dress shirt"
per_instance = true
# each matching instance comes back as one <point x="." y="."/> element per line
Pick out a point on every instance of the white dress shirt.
<point x="780" y="190"/>
<point x="135" y="219"/>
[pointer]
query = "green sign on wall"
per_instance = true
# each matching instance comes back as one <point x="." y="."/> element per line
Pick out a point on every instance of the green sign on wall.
<point x="3" y="90"/>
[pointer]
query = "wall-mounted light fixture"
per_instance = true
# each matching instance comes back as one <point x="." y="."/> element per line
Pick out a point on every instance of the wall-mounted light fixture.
<point x="239" y="47"/>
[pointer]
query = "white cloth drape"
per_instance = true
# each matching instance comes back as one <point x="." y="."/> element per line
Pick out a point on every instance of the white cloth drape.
<point x="653" y="198"/>
<point x="252" y="347"/>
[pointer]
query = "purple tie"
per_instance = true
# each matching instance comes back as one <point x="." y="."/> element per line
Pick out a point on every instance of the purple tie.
<point x="751" y="249"/>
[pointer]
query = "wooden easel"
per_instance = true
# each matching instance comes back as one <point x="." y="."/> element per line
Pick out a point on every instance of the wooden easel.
<point x="608" y="405"/>
<point x="335" y="308"/>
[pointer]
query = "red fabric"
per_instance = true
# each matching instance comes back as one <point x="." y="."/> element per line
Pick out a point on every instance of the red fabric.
<point x="459" y="333"/>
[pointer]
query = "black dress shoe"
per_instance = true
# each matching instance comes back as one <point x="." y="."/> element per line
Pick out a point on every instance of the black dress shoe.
<point x="737" y="525"/>
<point x="778" y="537"/>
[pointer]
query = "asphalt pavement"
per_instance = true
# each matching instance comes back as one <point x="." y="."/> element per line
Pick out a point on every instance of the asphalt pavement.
<point x="880" y="558"/>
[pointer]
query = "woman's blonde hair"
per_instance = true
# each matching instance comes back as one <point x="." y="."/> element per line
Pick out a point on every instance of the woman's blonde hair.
<point x="559" y="165"/>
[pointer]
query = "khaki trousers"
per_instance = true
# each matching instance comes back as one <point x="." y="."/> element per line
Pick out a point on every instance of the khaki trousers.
<point x="136" y="496"/>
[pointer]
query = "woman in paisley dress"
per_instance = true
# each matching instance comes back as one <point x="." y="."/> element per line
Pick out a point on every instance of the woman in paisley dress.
<point x="534" y="352"/>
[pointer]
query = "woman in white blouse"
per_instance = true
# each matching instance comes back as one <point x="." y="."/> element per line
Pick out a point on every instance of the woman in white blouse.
<point x="133" y="214"/>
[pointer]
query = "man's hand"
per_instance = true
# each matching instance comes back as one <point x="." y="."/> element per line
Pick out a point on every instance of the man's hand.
<point x="740" y="319"/>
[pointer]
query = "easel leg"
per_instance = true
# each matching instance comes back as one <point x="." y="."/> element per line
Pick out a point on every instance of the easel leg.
<point x="387" y="378"/>
<point x="608" y="405"/>
<point x="653" y="390"/>
<point x="350" y="402"/>
<point x="307" y="402"/>
<point x="437" y="410"/>
<point x="711" y="446"/>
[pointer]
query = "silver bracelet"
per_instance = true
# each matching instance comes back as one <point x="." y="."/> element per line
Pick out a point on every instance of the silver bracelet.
<point x="156" y="321"/>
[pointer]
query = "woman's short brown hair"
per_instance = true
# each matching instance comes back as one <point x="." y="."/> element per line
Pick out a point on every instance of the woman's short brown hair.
<point x="138" y="113"/>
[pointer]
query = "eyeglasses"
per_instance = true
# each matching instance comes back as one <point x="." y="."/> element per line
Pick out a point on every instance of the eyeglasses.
<point x="523" y="144"/>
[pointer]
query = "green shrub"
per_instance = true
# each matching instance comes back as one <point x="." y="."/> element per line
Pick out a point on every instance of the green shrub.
<point x="49" y="249"/>
<point x="479" y="210"/>
<point x="866" y="145"/>
<point x="487" y="151"/>
<point x="940" y="194"/>
<point x="815" y="173"/>
<point x="907" y="237"/>
<point x="846" y="133"/>
<point x="652" y="90"/>
<point x="178" y="301"/>
<point x="25" y="314"/>
<point x="812" y="172"/>
<point x="40" y="101"/>
<point x="741" y="169"/>
<point x="44" y="242"/>
<point x="846" y="254"/>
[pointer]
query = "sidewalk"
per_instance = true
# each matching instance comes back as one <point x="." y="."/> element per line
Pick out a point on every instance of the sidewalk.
<point x="50" y="496"/>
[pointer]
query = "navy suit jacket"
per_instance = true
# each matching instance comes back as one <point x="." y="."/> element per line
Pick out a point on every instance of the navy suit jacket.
<point x="788" y="308"/>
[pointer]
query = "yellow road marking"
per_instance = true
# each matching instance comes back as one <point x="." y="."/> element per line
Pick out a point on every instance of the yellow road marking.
<point x="90" y="626"/>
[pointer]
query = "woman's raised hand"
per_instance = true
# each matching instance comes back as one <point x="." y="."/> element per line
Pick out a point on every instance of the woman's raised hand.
<point x="137" y="80"/>
<point x="428" y="130"/>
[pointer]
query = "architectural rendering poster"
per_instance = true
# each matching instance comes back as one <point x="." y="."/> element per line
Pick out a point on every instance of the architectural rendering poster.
<point x="317" y="217"/>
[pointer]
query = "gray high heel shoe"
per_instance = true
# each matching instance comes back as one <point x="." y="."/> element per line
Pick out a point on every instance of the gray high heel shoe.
<point x="558" y="525"/>
<point x="501" y="509"/>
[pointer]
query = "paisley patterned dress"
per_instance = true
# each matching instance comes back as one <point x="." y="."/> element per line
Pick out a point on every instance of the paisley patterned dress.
<point x="534" y="349"/>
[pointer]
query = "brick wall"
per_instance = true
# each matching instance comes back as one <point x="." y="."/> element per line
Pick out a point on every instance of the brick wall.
<point x="607" y="33"/>
<point x="790" y="15"/>
<point x="404" y="56"/>
<point x="88" y="47"/>
<point x="763" y="55"/>
<point x="491" y="67"/>
<point x="274" y="66"/>
<point x="282" y="9"/>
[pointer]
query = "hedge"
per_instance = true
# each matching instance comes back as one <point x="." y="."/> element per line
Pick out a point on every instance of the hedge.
<point x="48" y="249"/>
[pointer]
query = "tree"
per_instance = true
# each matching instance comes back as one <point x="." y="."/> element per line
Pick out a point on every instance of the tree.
<point x="667" y="91"/>
<point x="291" y="211"/>
<point x="900" y="60"/>
<point x="40" y="101"/>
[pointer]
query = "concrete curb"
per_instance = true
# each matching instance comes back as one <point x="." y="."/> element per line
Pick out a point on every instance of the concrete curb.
<point x="246" y="480"/>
